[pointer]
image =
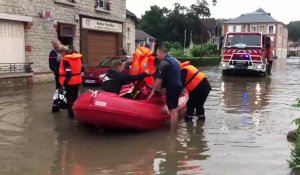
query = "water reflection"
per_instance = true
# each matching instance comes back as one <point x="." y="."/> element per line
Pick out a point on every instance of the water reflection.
<point x="185" y="152"/>
<point x="82" y="150"/>
<point x="14" y="122"/>
<point x="246" y="96"/>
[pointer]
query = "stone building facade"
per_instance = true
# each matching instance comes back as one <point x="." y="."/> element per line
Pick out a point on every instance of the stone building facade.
<point x="131" y="20"/>
<point x="96" y="28"/>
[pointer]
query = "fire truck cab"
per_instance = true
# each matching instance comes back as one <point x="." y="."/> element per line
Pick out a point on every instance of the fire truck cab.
<point x="247" y="51"/>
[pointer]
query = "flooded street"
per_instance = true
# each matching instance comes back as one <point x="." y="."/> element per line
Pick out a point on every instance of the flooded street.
<point x="244" y="133"/>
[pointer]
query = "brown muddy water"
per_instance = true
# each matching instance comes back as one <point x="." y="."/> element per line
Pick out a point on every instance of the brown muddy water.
<point x="244" y="133"/>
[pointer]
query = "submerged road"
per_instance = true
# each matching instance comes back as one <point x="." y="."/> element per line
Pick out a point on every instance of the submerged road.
<point x="244" y="133"/>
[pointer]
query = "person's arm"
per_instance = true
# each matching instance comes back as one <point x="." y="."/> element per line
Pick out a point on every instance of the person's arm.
<point x="183" y="77"/>
<point x="163" y="66"/>
<point x="156" y="87"/>
<point x="68" y="72"/>
<point x="124" y="77"/>
<point x="53" y="62"/>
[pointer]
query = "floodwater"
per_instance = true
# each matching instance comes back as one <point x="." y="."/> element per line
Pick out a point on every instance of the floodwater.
<point x="244" y="133"/>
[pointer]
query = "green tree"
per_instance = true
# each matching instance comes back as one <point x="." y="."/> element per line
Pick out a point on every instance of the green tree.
<point x="176" y="45"/>
<point x="154" y="22"/>
<point x="294" y="30"/>
<point x="170" y="25"/>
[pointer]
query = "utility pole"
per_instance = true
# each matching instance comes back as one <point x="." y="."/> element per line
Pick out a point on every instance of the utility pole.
<point x="201" y="44"/>
<point x="184" y="41"/>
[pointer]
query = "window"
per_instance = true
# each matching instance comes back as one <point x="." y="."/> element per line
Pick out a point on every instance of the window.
<point x="128" y="32"/>
<point x="253" y="28"/>
<point x="243" y="40"/>
<point x="66" y="2"/>
<point x="230" y="28"/>
<point x="262" y="29"/>
<point x="107" y="62"/>
<point x="238" y="28"/>
<point x="244" y="28"/>
<point x="66" y="33"/>
<point x="103" y="4"/>
<point x="271" y="29"/>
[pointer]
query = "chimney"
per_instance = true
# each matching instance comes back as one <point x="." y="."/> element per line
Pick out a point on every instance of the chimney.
<point x="269" y="14"/>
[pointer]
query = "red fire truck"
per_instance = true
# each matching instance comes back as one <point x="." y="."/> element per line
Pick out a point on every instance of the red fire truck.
<point x="247" y="51"/>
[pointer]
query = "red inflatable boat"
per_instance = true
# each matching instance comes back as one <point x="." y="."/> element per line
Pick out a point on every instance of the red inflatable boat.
<point x="108" y="110"/>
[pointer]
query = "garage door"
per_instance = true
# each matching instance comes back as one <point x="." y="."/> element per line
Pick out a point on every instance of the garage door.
<point x="12" y="42"/>
<point x="100" y="46"/>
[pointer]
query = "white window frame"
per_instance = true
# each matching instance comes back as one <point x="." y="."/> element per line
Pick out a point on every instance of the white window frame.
<point x="274" y="29"/>
<point x="103" y="4"/>
<point x="230" y="28"/>
<point x="128" y="32"/>
<point x="253" y="27"/>
<point x="238" y="28"/>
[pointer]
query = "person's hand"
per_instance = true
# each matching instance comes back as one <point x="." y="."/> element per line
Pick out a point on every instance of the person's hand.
<point x="147" y="71"/>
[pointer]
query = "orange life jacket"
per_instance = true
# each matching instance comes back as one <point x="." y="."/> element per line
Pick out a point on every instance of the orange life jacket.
<point x="143" y="60"/>
<point x="75" y="64"/>
<point x="184" y="64"/>
<point x="193" y="77"/>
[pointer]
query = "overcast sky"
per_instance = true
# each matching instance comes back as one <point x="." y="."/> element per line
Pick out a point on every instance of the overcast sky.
<point x="282" y="10"/>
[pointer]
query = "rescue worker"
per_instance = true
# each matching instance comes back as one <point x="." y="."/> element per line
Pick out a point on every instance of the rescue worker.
<point x="198" y="87"/>
<point x="169" y="77"/>
<point x="115" y="78"/>
<point x="70" y="77"/>
<point x="54" y="62"/>
<point x="143" y="60"/>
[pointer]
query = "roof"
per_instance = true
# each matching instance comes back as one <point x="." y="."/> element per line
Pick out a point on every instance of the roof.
<point x="259" y="16"/>
<point x="132" y="15"/>
<point x="141" y="35"/>
<point x="129" y="13"/>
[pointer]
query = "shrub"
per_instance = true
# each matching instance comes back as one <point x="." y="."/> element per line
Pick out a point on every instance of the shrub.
<point x="294" y="161"/>
<point x="176" y="45"/>
<point x="196" y="51"/>
<point x="207" y="49"/>
<point x="167" y="44"/>
<point x="176" y="52"/>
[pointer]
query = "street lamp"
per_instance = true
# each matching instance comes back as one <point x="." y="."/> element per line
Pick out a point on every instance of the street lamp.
<point x="214" y="2"/>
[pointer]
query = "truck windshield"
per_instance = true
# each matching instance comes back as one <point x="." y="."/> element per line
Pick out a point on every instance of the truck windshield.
<point x="243" y="40"/>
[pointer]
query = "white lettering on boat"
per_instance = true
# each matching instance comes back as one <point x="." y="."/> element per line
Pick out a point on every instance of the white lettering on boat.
<point x="100" y="103"/>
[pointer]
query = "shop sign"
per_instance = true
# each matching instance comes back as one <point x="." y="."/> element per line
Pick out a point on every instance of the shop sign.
<point x="101" y="25"/>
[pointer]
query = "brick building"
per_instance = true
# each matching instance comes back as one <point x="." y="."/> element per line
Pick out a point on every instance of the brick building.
<point x="260" y="21"/>
<point x="97" y="28"/>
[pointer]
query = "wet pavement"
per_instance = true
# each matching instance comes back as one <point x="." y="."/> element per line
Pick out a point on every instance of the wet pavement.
<point x="244" y="133"/>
